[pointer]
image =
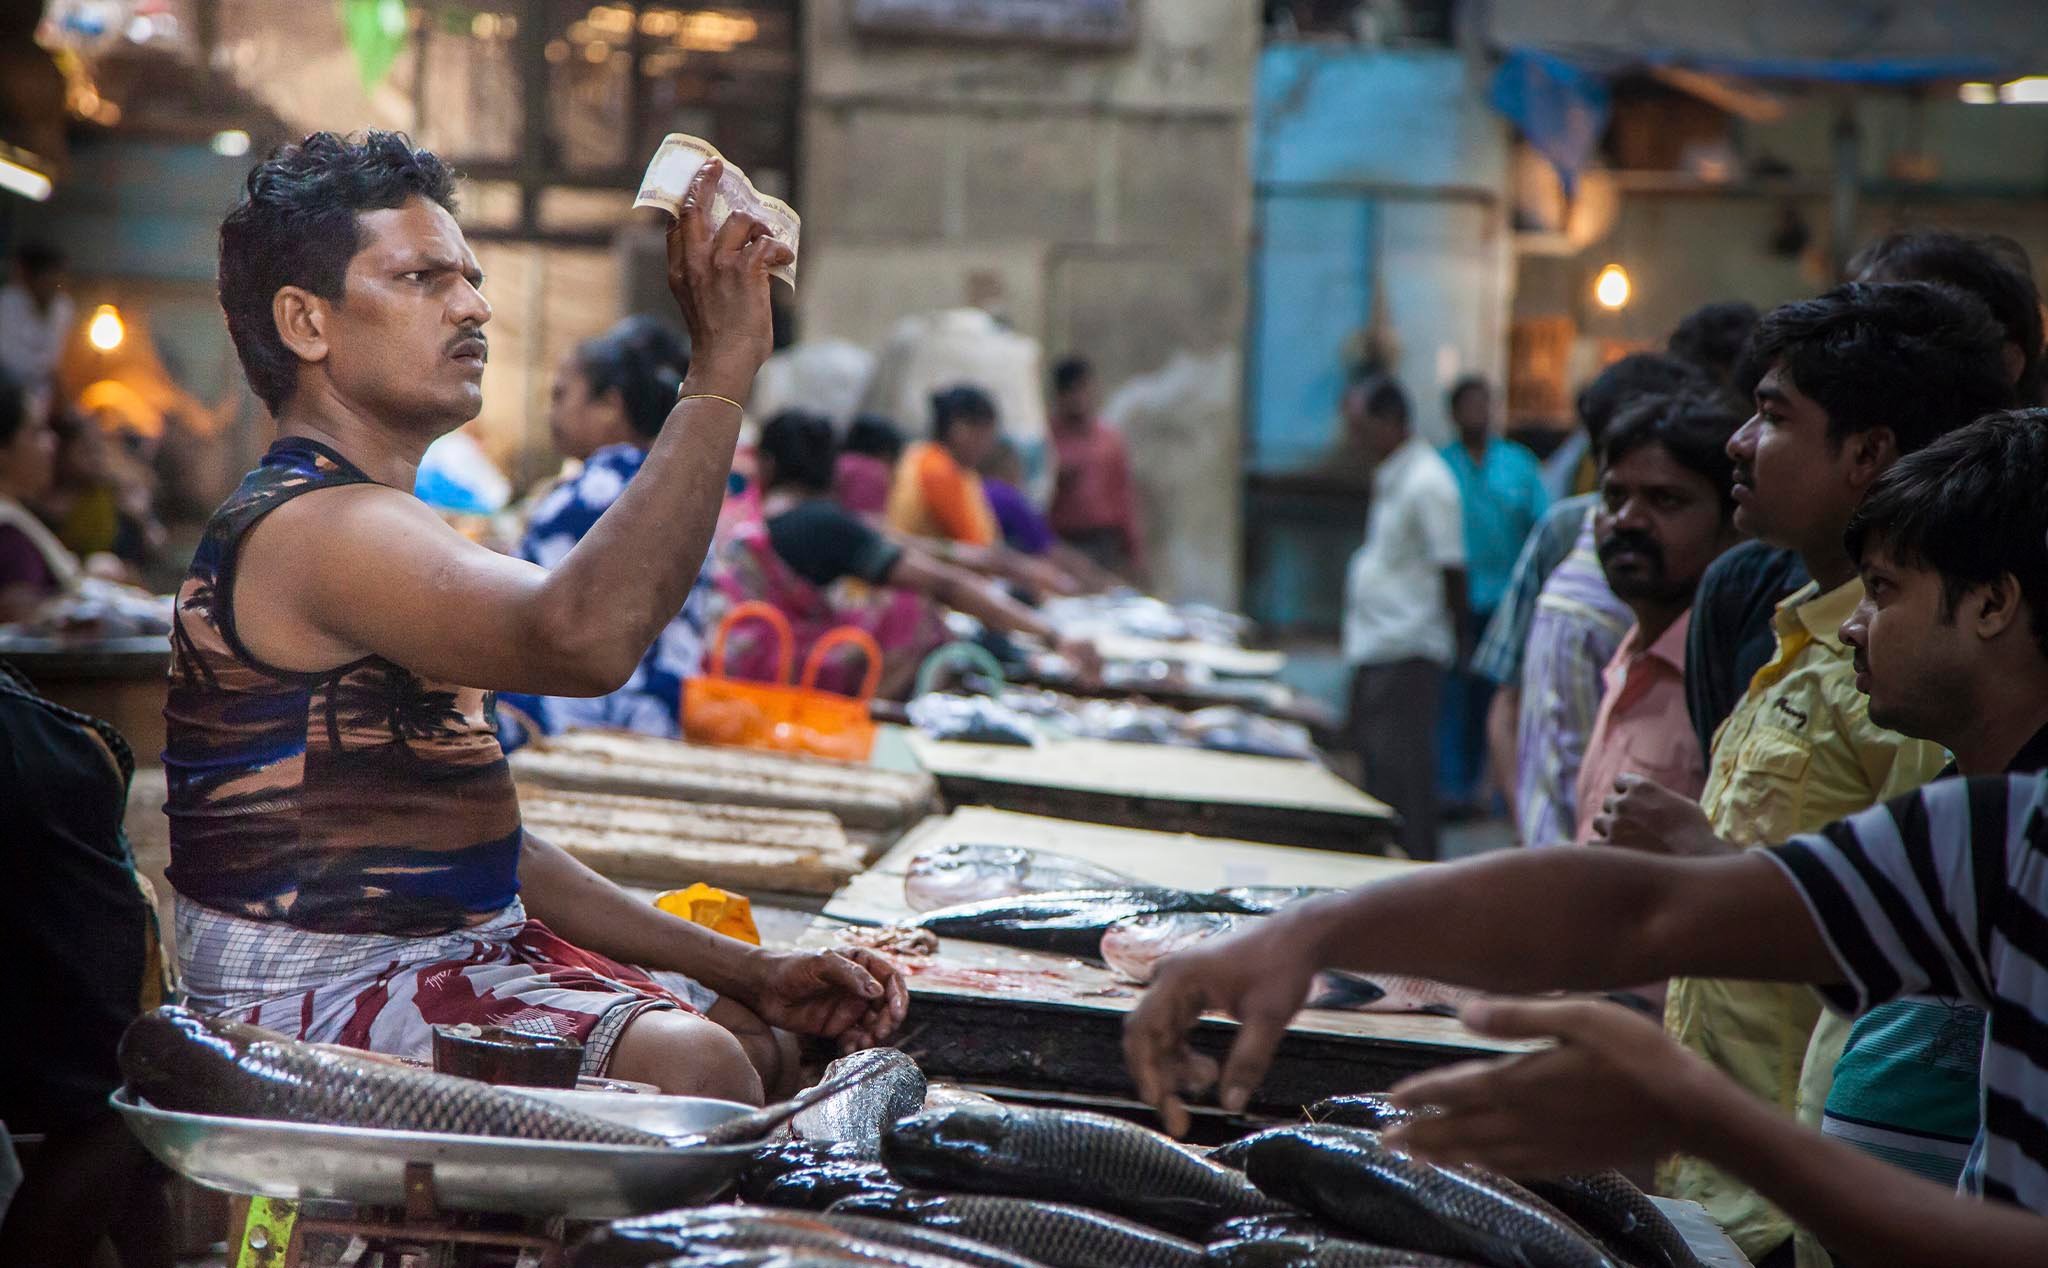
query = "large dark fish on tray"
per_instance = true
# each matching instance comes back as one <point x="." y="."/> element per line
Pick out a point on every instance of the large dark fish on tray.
<point x="1369" y="1111"/>
<point x="178" y="1060"/>
<point x="1324" y="1253"/>
<point x="1087" y="1159"/>
<point x="888" y="1086"/>
<point x="1608" y="1205"/>
<point x="1053" y="1233"/>
<point x="714" y="1230"/>
<point x="955" y="874"/>
<point x="1389" y="1197"/>
<point x="1072" y="921"/>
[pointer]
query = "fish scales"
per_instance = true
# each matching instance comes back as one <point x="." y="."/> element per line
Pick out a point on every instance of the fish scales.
<point x="1057" y="1234"/>
<point x="715" y="1229"/>
<point x="1608" y="1205"/>
<point x="888" y="1086"/>
<point x="1328" y="1253"/>
<point x="819" y="1188"/>
<point x="1087" y="1159"/>
<point x="1392" y="1197"/>
<point x="178" y="1060"/>
<point x="1369" y="1110"/>
<point x="963" y="873"/>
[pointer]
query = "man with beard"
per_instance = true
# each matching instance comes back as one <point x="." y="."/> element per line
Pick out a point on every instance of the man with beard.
<point x="1666" y="511"/>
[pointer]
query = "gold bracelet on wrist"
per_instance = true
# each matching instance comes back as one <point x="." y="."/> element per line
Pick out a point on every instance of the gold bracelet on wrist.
<point x="709" y="396"/>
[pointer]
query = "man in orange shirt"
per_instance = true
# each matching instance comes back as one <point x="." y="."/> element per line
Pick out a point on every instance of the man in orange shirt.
<point x="938" y="489"/>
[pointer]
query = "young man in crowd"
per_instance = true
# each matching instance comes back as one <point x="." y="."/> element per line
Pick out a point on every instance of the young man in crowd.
<point x="1951" y="645"/>
<point x="1939" y="893"/>
<point x="1666" y="511"/>
<point x="1852" y="380"/>
<point x="1094" y="501"/>
<point x="345" y="835"/>
<point x="1500" y="485"/>
<point x="1731" y="630"/>
<point x="1404" y="609"/>
<point x="1557" y="627"/>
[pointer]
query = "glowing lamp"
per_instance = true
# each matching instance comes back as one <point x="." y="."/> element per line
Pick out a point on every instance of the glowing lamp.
<point x="105" y="331"/>
<point x="1612" y="287"/>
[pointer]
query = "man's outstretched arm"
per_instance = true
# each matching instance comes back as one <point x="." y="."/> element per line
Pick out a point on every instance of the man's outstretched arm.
<point x="1615" y="1091"/>
<point x="1554" y="919"/>
<point x="368" y="570"/>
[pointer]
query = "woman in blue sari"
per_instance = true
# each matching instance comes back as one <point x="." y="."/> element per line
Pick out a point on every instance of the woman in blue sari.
<point x="610" y="398"/>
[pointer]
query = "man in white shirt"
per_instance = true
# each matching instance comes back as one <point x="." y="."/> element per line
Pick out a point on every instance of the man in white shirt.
<point x="35" y="315"/>
<point x="1405" y="617"/>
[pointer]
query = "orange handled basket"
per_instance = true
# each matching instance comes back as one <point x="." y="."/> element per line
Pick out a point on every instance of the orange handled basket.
<point x="783" y="716"/>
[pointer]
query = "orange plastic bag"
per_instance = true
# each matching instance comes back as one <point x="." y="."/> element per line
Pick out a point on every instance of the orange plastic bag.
<point x="716" y="909"/>
<point x="783" y="716"/>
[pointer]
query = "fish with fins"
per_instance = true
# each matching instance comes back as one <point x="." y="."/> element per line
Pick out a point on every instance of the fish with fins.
<point x="1089" y="1160"/>
<point x="694" y="1234"/>
<point x="970" y="873"/>
<point x="1352" y="1179"/>
<point x="890" y="1086"/>
<point x="1608" y="1205"/>
<point x="1326" y="1253"/>
<point x="1054" y="1233"/>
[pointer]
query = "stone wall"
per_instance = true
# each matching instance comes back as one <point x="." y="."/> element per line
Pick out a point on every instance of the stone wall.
<point x="1099" y="201"/>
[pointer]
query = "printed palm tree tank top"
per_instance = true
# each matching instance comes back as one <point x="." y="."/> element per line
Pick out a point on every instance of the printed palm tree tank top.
<point x="362" y="799"/>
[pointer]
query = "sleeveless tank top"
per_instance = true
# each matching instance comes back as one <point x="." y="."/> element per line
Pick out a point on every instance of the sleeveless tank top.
<point x="361" y="799"/>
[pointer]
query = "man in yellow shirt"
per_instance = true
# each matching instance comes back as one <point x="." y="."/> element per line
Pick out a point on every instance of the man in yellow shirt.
<point x="1851" y="381"/>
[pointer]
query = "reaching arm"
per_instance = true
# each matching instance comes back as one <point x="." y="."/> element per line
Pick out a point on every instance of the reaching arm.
<point x="1615" y="1091"/>
<point x="1563" y="919"/>
<point x="960" y="590"/>
<point x="370" y="570"/>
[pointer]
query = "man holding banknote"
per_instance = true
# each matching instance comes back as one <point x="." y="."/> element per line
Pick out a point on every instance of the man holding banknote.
<point x="345" y="837"/>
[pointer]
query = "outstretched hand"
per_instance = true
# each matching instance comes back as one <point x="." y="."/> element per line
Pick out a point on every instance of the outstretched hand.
<point x="855" y="997"/>
<point x="1259" y="976"/>
<point x="1613" y="1092"/>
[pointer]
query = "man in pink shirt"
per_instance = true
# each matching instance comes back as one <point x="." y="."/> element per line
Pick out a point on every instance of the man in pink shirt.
<point x="1665" y="512"/>
<point x="1094" y="504"/>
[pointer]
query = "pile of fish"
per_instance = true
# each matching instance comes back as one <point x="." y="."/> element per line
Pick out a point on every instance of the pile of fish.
<point x="976" y="1184"/>
<point x="1043" y="901"/>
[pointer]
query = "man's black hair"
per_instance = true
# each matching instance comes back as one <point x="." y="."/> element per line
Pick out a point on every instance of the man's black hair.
<point x="1711" y="338"/>
<point x="874" y="436"/>
<point x="1693" y="427"/>
<point x="1992" y="267"/>
<point x="1970" y="507"/>
<point x="1384" y="397"/>
<point x="1635" y="376"/>
<point x="963" y="403"/>
<point x="13" y="407"/>
<point x="802" y="447"/>
<point x="1469" y="383"/>
<point x="297" y="226"/>
<point x="1069" y="373"/>
<point x="37" y="258"/>
<point x="643" y="361"/>
<point x="1913" y="357"/>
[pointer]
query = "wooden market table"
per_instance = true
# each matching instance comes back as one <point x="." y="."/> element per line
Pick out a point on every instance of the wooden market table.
<point x="1019" y="1019"/>
<point x="1283" y="801"/>
<point x="124" y="681"/>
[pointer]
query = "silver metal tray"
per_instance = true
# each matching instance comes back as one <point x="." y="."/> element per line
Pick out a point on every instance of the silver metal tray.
<point x="469" y="1173"/>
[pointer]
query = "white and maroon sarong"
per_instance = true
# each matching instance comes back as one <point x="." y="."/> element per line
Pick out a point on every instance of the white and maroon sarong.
<point x="386" y="994"/>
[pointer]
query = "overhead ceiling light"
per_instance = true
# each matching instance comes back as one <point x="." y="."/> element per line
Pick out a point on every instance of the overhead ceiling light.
<point x="1612" y="287"/>
<point x="231" y="143"/>
<point x="26" y="181"/>
<point x="105" y="331"/>
<point x="1977" y="93"/>
<point x="2031" y="90"/>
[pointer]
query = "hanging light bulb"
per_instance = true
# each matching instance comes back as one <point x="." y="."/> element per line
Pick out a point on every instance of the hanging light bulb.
<point x="1612" y="287"/>
<point x="105" y="331"/>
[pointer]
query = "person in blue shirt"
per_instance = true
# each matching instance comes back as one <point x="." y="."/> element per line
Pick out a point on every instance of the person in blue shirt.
<point x="609" y="400"/>
<point x="1501" y="486"/>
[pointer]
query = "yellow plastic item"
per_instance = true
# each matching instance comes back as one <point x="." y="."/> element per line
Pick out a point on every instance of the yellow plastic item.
<point x="715" y="909"/>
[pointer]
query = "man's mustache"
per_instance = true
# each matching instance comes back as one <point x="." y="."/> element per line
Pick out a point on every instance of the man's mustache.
<point x="1631" y="542"/>
<point x="471" y="339"/>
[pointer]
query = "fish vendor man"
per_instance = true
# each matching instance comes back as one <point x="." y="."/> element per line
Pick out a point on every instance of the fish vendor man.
<point x="346" y="843"/>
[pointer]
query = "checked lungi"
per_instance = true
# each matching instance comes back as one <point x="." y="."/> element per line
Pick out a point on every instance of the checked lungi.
<point x="385" y="994"/>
